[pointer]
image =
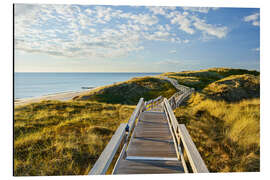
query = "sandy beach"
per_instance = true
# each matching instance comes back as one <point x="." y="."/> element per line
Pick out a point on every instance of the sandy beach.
<point x="57" y="96"/>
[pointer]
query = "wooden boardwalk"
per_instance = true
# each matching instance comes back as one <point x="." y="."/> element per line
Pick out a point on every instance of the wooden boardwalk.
<point x="152" y="142"/>
<point x="151" y="149"/>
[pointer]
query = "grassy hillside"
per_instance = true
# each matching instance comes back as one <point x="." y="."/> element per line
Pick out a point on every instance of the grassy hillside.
<point x="63" y="138"/>
<point x="202" y="78"/>
<point x="234" y="88"/>
<point x="223" y="118"/>
<point x="129" y="92"/>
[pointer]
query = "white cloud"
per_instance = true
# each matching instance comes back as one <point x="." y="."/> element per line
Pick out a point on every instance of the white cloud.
<point x="255" y="23"/>
<point x="209" y="29"/>
<point x="99" y="31"/>
<point x="66" y="31"/>
<point x="183" y="22"/>
<point x="162" y="10"/>
<point x="253" y="18"/>
<point x="189" y="23"/>
<point x="157" y="10"/>
<point x="158" y="36"/>
<point x="144" y="19"/>
<point x="199" y="9"/>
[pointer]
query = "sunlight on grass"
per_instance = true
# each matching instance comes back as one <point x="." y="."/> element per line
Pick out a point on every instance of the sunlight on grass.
<point x="226" y="134"/>
<point x="63" y="138"/>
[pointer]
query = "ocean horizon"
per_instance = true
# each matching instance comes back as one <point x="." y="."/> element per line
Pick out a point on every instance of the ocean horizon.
<point x="36" y="84"/>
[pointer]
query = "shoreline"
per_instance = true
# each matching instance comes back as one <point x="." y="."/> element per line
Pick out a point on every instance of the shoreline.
<point x="61" y="96"/>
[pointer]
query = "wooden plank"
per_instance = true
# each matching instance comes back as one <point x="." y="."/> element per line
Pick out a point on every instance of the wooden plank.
<point x="149" y="167"/>
<point x="155" y="127"/>
<point x="106" y="157"/>
<point x="151" y="158"/>
<point x="152" y="133"/>
<point x="151" y="147"/>
<point x="151" y="137"/>
<point x="194" y="157"/>
<point x="151" y="123"/>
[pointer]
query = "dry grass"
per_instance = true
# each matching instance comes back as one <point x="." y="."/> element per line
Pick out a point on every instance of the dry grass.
<point x="66" y="138"/>
<point x="223" y="117"/>
<point x="227" y="135"/>
<point x="63" y="138"/>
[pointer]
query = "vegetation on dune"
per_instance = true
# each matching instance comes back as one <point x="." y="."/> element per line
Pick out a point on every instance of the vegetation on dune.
<point x="223" y="118"/>
<point x="224" y="72"/>
<point x="202" y="78"/>
<point x="226" y="134"/>
<point x="129" y="92"/>
<point x="66" y="138"/>
<point x="234" y="88"/>
<point x="63" y="138"/>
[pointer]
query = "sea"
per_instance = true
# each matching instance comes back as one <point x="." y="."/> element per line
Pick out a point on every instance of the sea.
<point x="28" y="85"/>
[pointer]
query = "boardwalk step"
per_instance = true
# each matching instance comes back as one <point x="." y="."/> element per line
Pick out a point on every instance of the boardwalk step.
<point x="149" y="167"/>
<point x="151" y="147"/>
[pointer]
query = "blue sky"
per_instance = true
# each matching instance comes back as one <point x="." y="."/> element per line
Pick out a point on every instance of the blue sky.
<point x="73" y="38"/>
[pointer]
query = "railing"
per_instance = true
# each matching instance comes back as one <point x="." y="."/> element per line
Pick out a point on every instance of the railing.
<point x="120" y="137"/>
<point x="184" y="142"/>
<point x="178" y="97"/>
<point x="174" y="82"/>
<point x="181" y="137"/>
<point x="152" y="103"/>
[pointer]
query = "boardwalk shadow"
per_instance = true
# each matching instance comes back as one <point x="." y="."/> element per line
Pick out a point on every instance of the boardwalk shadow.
<point x="155" y="140"/>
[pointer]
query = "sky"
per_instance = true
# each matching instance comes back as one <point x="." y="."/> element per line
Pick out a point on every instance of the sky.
<point x="81" y="38"/>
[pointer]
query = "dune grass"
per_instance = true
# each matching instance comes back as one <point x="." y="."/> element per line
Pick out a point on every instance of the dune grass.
<point x="66" y="138"/>
<point x="223" y="117"/>
<point x="63" y="138"/>
<point x="227" y="135"/>
<point x="224" y="123"/>
<point x="129" y="92"/>
<point x="202" y="78"/>
<point x="234" y="88"/>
